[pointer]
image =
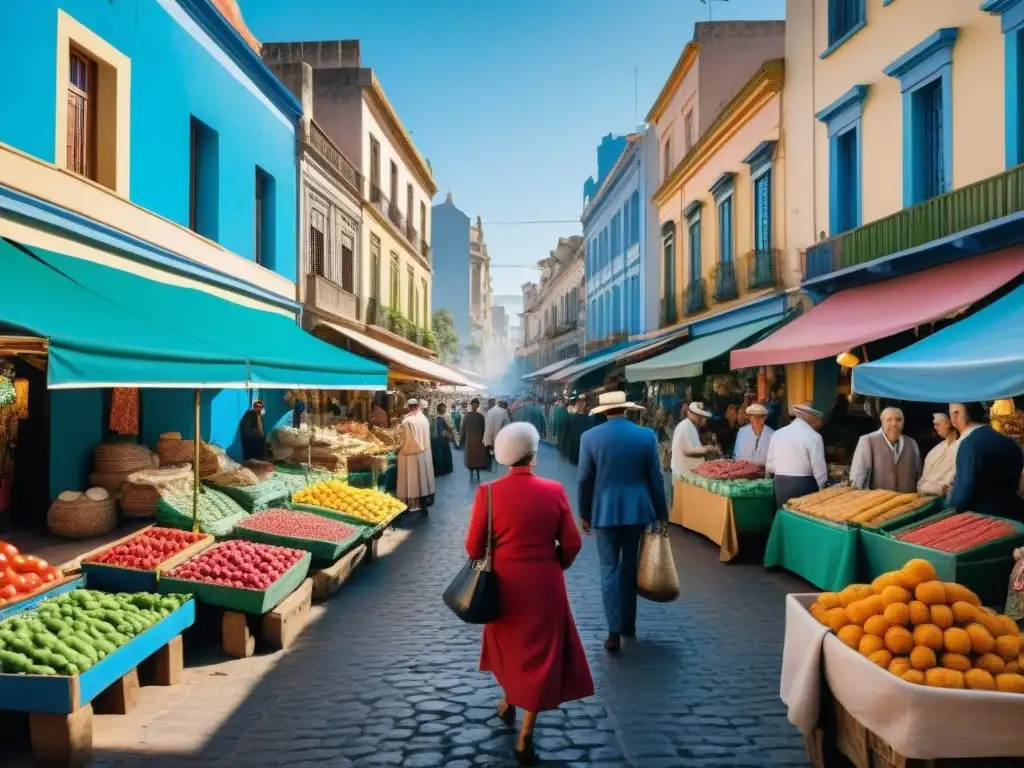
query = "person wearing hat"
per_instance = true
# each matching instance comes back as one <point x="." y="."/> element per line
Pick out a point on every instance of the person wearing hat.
<point x="796" y="456"/>
<point x="688" y="452"/>
<point x="620" y="493"/>
<point x="415" y="465"/>
<point x="533" y="649"/>
<point x="752" y="441"/>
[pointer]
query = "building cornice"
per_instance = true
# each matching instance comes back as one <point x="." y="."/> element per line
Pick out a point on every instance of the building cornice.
<point x="683" y="65"/>
<point x="417" y="164"/>
<point x="206" y="15"/>
<point x="741" y="109"/>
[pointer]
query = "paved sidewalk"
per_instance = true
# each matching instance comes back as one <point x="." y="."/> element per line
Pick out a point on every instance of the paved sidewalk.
<point x="387" y="677"/>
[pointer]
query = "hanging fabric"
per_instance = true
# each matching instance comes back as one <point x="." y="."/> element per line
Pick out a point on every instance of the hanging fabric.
<point x="124" y="411"/>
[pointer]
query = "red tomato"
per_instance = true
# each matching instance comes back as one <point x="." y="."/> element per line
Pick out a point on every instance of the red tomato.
<point x="8" y="592"/>
<point x="32" y="581"/>
<point x="50" y="574"/>
<point x="7" y="576"/>
<point x="8" y="550"/>
<point x="33" y="564"/>
<point x="17" y="562"/>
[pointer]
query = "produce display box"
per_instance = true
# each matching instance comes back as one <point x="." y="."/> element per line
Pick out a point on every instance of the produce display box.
<point x="984" y="569"/>
<point x="252" y="601"/>
<point x="118" y="578"/>
<point x="32" y="599"/>
<point x="323" y="552"/>
<point x="908" y="519"/>
<point x="373" y="529"/>
<point x="822" y="552"/>
<point x="59" y="695"/>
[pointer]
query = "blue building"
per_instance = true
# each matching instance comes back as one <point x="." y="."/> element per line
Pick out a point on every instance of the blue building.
<point x="147" y="138"/>
<point x="618" y="223"/>
<point x="449" y="241"/>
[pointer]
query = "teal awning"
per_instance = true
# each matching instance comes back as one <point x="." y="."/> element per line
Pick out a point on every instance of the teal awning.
<point x="687" y="361"/>
<point x="108" y="327"/>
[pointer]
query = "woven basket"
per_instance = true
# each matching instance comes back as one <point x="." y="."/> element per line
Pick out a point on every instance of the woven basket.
<point x="139" y="501"/>
<point x="656" y="577"/>
<point x="177" y="451"/>
<point x="82" y="519"/>
<point x="139" y="495"/>
<point x="164" y="476"/>
<point x="235" y="478"/>
<point x="112" y="482"/>
<point x="122" y="458"/>
<point x="262" y="469"/>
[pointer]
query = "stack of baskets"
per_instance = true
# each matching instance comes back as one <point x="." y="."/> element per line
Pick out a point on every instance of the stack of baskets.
<point x="113" y="462"/>
<point x="173" y="450"/>
<point x="82" y="515"/>
<point x="140" y="494"/>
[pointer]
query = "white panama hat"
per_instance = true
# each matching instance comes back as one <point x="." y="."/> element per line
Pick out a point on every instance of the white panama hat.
<point x="699" y="409"/>
<point x="611" y="400"/>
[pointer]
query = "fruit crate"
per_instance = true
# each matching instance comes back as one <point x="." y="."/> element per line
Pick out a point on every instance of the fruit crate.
<point x="119" y="578"/>
<point x="32" y="599"/>
<point x="323" y="552"/>
<point x="61" y="695"/>
<point x="252" y="601"/>
<point x="983" y="569"/>
<point x="373" y="529"/>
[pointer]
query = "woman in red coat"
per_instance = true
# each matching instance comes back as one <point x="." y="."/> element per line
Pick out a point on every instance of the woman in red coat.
<point x="533" y="649"/>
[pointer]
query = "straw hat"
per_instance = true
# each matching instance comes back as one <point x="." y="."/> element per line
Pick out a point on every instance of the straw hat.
<point x="756" y="410"/>
<point x="611" y="400"/>
<point x="807" y="410"/>
<point x="700" y="410"/>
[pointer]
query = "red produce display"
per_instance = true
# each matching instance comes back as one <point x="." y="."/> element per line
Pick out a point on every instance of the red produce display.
<point x="148" y="550"/>
<point x="959" y="533"/>
<point x="731" y="469"/>
<point x="241" y="564"/>
<point x="22" y="575"/>
<point x="298" y="524"/>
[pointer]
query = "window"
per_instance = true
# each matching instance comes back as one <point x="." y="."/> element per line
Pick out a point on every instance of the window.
<point x="694" y="238"/>
<point x="634" y="291"/>
<point x="410" y="308"/>
<point x="394" y="183"/>
<point x="474" y="283"/>
<point x="626" y="217"/>
<point x="616" y="309"/>
<point x="374" y="169"/>
<point x="668" y="250"/>
<point x="725" y="246"/>
<point x="1013" y="67"/>
<point x="844" y="18"/>
<point x="409" y="205"/>
<point x="426" y="303"/>
<point x="615" y="235"/>
<point x="395" y="294"/>
<point x="81" y="129"/>
<point x="666" y="158"/>
<point x="763" y="212"/>
<point x="635" y="228"/>
<point x="348" y="265"/>
<point x="423" y="224"/>
<point x="265" y="235"/>
<point x="203" y="180"/>
<point x="928" y="106"/>
<point x="316" y="243"/>
<point x="688" y="130"/>
<point x="592" y="325"/>
<point x="842" y="119"/>
<point x="375" y="269"/>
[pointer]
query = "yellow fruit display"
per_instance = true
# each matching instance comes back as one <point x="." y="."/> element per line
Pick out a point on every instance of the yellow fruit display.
<point x="365" y="504"/>
<point x="926" y="631"/>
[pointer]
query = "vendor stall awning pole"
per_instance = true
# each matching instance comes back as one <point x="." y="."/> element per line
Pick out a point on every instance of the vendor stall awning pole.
<point x="195" y="468"/>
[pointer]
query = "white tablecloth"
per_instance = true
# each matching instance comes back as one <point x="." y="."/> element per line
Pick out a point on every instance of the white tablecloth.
<point x="918" y="722"/>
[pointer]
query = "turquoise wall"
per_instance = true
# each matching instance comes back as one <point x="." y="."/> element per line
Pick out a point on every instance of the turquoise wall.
<point x="173" y="78"/>
<point x="76" y="425"/>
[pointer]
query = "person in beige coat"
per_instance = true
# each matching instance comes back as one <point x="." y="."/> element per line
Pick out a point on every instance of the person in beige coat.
<point x="415" y="465"/>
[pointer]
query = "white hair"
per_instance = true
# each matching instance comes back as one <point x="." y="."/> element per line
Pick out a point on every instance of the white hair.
<point x="892" y="409"/>
<point x="515" y="442"/>
<point x="941" y="416"/>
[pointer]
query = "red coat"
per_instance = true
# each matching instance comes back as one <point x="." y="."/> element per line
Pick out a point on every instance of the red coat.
<point x="533" y="649"/>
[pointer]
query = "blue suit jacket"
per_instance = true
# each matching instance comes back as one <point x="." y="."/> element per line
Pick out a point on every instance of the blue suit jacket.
<point x="620" y="479"/>
<point x="988" y="469"/>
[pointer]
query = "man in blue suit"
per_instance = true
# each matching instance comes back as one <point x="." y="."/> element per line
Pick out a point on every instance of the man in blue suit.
<point x="620" y="493"/>
<point x="988" y="466"/>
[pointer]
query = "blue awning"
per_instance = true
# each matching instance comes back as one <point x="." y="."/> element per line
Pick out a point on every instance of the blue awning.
<point x="979" y="358"/>
<point x="615" y="354"/>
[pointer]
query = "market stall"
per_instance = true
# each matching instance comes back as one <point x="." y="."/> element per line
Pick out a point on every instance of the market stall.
<point x="907" y="668"/>
<point x="725" y="501"/>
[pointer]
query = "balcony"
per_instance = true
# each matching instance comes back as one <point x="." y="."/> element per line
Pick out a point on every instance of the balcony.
<point x="425" y="250"/>
<point x="669" y="312"/>
<point x="554" y="331"/>
<point x="725" y="282"/>
<point x="378" y="199"/>
<point x="396" y="216"/>
<point x="321" y="143"/>
<point x="763" y="268"/>
<point x="392" y="321"/>
<point x="328" y="296"/>
<point x="696" y="296"/>
<point x="972" y="206"/>
<point x="411" y="233"/>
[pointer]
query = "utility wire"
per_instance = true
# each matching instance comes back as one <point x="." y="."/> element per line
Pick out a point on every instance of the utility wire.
<point x="524" y="223"/>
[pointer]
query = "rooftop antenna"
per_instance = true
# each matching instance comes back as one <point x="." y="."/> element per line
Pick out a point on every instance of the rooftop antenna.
<point x="708" y="4"/>
<point x="636" y="97"/>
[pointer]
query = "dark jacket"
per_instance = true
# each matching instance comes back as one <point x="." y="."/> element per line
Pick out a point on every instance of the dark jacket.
<point x="988" y="470"/>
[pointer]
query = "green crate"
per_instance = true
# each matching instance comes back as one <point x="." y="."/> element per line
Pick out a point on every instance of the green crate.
<point x="372" y="530"/>
<point x="819" y="551"/>
<point x="253" y="601"/>
<point x="323" y="552"/>
<point x="255" y="498"/>
<point x="910" y="518"/>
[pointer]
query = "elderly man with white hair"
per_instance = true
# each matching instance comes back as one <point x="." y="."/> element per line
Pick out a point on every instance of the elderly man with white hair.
<point x="796" y="456"/>
<point x="887" y="460"/>
<point x="940" y="463"/>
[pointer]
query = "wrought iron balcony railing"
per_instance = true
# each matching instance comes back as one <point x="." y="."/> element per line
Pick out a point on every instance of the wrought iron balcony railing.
<point x="323" y="146"/>
<point x="763" y="268"/>
<point x="725" y="282"/>
<point x="411" y="234"/>
<point x="943" y="216"/>
<point x="669" y="311"/>
<point x="425" y="250"/>
<point x="396" y="216"/>
<point x="327" y="295"/>
<point x="696" y="296"/>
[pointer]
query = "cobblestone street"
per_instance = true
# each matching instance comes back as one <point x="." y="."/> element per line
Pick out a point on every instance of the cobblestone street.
<point x="386" y="676"/>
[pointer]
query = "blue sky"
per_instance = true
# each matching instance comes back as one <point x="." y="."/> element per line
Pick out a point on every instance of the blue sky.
<point x="509" y="100"/>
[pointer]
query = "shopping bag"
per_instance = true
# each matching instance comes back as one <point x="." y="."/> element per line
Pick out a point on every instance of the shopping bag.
<point x="473" y="593"/>
<point x="656" y="577"/>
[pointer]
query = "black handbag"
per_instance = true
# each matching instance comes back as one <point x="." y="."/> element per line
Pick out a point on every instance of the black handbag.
<point x="473" y="593"/>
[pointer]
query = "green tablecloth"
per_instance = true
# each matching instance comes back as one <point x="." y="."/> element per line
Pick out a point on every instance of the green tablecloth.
<point x="734" y="489"/>
<point x="825" y="555"/>
<point x="753" y="515"/>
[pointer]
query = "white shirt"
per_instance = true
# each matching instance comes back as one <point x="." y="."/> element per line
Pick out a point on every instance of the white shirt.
<point x="686" y="439"/>
<point x="797" y="450"/>
<point x="939" y="469"/>
<point x="753" y="447"/>
<point x="495" y="420"/>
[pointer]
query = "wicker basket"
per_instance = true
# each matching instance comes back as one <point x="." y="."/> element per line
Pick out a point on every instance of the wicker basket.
<point x="177" y="451"/>
<point x="122" y="458"/>
<point x="139" y="495"/>
<point x="262" y="469"/>
<point x="83" y="518"/>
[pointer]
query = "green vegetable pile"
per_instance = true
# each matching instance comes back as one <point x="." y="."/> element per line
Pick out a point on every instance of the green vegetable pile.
<point x="218" y="513"/>
<point x="70" y="633"/>
<point x="295" y="479"/>
<point x="255" y="498"/>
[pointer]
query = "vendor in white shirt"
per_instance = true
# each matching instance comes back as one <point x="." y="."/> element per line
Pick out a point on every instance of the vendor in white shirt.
<point x="753" y="440"/>
<point x="796" y="456"/>
<point x="940" y="463"/>
<point x="687" y="451"/>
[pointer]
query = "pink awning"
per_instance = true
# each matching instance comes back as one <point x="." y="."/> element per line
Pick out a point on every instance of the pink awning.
<point x="859" y="315"/>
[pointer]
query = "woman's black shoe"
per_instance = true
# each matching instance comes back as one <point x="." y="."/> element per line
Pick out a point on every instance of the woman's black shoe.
<point x="527" y="755"/>
<point x="613" y="643"/>
<point x="507" y="714"/>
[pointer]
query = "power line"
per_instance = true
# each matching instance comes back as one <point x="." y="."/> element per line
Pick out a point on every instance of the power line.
<point x="523" y="223"/>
